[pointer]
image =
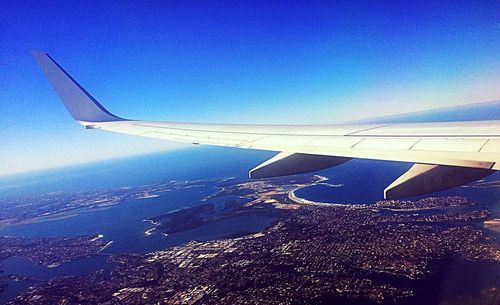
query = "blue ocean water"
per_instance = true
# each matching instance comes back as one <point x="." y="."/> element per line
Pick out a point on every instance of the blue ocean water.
<point x="124" y="223"/>
<point x="184" y="164"/>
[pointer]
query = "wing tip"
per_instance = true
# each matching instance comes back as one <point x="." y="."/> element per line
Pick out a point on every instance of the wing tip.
<point x="38" y="53"/>
<point x="80" y="104"/>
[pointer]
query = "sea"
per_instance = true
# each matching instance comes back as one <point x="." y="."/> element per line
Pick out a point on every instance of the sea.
<point x="124" y="223"/>
<point x="357" y="181"/>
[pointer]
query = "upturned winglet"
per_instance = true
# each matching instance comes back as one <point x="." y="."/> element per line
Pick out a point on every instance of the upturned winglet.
<point x="80" y="104"/>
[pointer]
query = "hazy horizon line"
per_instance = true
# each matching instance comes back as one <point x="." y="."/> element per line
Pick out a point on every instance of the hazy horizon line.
<point x="358" y="121"/>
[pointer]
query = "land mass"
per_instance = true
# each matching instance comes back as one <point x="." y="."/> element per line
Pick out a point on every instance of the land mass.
<point x="312" y="254"/>
<point x="426" y="203"/>
<point x="51" y="251"/>
<point x="49" y="206"/>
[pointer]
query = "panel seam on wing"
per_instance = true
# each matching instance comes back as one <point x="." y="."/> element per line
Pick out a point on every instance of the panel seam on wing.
<point x="371" y="128"/>
<point x="352" y="134"/>
<point x="484" y="144"/>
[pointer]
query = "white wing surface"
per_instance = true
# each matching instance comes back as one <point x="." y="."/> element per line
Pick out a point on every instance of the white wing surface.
<point x="446" y="154"/>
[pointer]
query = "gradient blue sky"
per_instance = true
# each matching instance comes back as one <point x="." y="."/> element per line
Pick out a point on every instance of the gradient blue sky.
<point x="234" y="61"/>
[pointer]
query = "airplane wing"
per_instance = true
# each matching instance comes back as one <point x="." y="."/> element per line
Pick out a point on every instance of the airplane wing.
<point x="446" y="154"/>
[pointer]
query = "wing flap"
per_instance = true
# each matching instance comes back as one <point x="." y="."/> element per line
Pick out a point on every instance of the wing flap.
<point x="387" y="143"/>
<point x="333" y="142"/>
<point x="449" y="145"/>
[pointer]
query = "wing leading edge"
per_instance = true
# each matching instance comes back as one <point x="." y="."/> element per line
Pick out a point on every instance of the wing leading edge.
<point x="446" y="154"/>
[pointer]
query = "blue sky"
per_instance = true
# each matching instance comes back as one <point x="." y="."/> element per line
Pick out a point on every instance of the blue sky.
<point x="234" y="61"/>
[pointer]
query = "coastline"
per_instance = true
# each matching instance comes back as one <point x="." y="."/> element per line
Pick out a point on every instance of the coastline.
<point x="291" y="195"/>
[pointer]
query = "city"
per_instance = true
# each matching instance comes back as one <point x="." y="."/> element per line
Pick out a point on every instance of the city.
<point x="311" y="254"/>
